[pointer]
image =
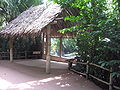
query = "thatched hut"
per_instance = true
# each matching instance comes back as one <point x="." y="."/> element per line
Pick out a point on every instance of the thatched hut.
<point x="40" y="20"/>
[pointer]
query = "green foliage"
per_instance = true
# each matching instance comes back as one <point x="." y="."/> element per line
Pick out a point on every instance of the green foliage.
<point x="68" y="46"/>
<point x="10" y="9"/>
<point x="98" y="35"/>
<point x="55" y="44"/>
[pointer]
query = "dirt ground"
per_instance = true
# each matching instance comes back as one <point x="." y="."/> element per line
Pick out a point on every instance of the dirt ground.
<point x="30" y="75"/>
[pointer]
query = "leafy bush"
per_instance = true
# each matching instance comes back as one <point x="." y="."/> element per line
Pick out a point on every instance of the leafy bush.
<point x="98" y="35"/>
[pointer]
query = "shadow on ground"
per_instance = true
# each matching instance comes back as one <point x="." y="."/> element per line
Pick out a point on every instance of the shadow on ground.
<point x="30" y="75"/>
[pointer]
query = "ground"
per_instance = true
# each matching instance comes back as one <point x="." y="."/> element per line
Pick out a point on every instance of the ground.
<point x="30" y="75"/>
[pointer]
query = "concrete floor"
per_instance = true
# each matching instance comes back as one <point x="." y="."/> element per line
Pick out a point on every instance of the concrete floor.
<point x="30" y="75"/>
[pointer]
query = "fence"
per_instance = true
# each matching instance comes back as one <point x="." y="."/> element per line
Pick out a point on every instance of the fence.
<point x="21" y="55"/>
<point x="87" y="74"/>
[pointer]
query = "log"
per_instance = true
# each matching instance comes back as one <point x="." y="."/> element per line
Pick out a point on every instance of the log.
<point x="11" y="49"/>
<point x="48" y="64"/>
<point x="43" y="45"/>
<point x="87" y="70"/>
<point x="110" y="80"/>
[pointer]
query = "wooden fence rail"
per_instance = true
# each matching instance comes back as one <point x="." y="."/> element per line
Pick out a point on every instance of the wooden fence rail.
<point x="87" y="74"/>
<point x="19" y="55"/>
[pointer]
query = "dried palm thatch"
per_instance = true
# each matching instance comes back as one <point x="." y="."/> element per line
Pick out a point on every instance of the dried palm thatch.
<point x="35" y="19"/>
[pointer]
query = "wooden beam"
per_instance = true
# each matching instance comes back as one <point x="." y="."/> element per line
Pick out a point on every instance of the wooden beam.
<point x="61" y="18"/>
<point x="54" y="22"/>
<point x="61" y="47"/>
<point x="48" y="64"/>
<point x="11" y="49"/>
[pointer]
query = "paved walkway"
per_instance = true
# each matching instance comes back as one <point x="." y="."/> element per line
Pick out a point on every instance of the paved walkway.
<point x="30" y="75"/>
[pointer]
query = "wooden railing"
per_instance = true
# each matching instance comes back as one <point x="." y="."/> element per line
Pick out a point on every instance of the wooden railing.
<point x="20" y="55"/>
<point x="88" y="75"/>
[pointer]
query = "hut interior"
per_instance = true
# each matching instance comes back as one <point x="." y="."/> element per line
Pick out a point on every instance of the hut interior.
<point x="41" y="21"/>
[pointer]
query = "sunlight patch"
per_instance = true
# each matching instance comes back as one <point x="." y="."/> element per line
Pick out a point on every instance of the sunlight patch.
<point x="4" y="84"/>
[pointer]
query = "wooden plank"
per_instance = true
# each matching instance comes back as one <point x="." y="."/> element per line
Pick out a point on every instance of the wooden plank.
<point x="116" y="87"/>
<point x="78" y="72"/>
<point x="74" y="62"/>
<point x="59" y="59"/>
<point x="4" y="56"/>
<point x="99" y="67"/>
<point x="99" y="79"/>
<point x="36" y="52"/>
<point x="3" y="52"/>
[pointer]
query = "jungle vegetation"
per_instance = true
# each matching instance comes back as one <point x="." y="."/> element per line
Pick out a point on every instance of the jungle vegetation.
<point x="98" y="35"/>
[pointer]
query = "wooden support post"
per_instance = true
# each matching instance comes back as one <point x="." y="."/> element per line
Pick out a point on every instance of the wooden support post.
<point x="110" y="80"/>
<point x="11" y="49"/>
<point x="43" y="45"/>
<point x="87" y="70"/>
<point x="25" y="54"/>
<point x="69" y="65"/>
<point x="60" y="46"/>
<point x="48" y="64"/>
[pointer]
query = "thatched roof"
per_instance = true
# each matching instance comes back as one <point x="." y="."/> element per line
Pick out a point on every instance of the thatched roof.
<point x="35" y="19"/>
